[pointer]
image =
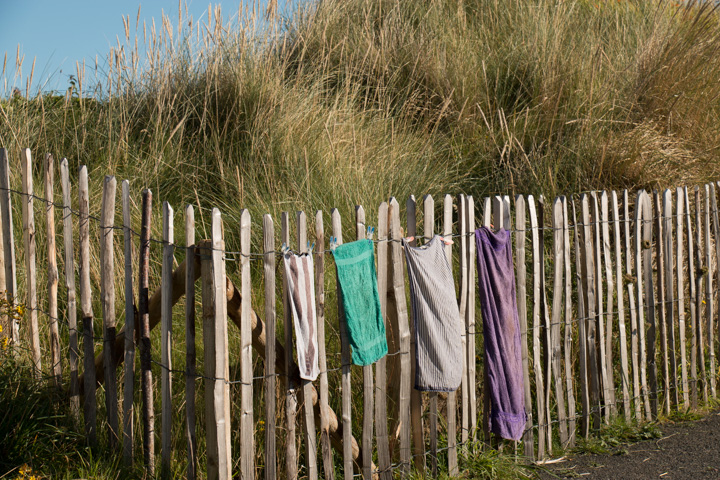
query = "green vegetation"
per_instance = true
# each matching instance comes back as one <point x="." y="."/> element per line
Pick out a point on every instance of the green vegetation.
<point x="353" y="101"/>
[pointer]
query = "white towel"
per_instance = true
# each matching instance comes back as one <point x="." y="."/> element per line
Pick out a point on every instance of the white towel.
<point x="299" y="272"/>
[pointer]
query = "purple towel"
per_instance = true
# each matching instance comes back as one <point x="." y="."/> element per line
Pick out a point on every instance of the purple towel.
<point x="501" y="329"/>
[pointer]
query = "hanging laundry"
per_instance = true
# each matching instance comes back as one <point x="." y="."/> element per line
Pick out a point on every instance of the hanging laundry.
<point x="501" y="329"/>
<point x="299" y="272"/>
<point x="355" y="262"/>
<point x="438" y="327"/>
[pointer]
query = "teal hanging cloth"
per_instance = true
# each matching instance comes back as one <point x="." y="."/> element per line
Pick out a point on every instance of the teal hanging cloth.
<point x="355" y="262"/>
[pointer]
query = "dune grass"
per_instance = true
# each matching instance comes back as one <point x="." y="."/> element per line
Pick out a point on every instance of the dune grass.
<point x="346" y="103"/>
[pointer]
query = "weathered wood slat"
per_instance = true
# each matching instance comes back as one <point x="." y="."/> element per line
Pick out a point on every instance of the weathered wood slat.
<point x="326" y="447"/>
<point x="670" y="295"/>
<point x="221" y="374"/>
<point x="692" y="247"/>
<point x="642" y="224"/>
<point x="28" y="214"/>
<point x="368" y="381"/>
<point x="270" y="320"/>
<point x="520" y="265"/>
<point x="611" y="405"/>
<point x="660" y="262"/>
<point x="166" y="339"/>
<point x="699" y="293"/>
<point x="381" y="415"/>
<point x="557" y="312"/>
<point x="709" y="302"/>
<point x="107" y="297"/>
<point x="680" y="266"/>
<point x="470" y="312"/>
<point x="630" y="258"/>
<point x="291" y="456"/>
<point x="90" y="407"/>
<point x="622" y="329"/>
<point x="8" y="239"/>
<point x="71" y="313"/>
<point x="588" y="274"/>
<point x="428" y="232"/>
<point x="190" y="349"/>
<point x="403" y="335"/>
<point x="650" y="300"/>
<point x="568" y="327"/>
<point x="247" y="422"/>
<point x="416" y="424"/>
<point x="600" y="319"/>
<point x="129" y="385"/>
<point x="346" y="364"/>
<point x="537" y="362"/>
<point x="145" y="358"/>
<point x="582" y="334"/>
<point x="52" y="274"/>
<point x="545" y="330"/>
<point x="452" y="396"/>
<point x="463" y="267"/>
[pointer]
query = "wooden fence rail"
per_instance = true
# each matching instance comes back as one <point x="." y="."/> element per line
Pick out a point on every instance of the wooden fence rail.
<point x="621" y="322"/>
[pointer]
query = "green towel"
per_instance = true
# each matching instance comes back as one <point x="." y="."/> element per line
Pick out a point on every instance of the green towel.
<point x="355" y="263"/>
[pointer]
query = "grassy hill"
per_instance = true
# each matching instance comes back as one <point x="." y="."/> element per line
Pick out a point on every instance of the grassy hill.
<point x="351" y="101"/>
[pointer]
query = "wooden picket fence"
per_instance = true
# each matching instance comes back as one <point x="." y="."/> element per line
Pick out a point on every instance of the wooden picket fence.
<point x="626" y="273"/>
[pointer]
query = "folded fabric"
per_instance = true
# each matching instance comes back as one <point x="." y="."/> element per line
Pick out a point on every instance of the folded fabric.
<point x="299" y="272"/>
<point x="501" y="330"/>
<point x="355" y="262"/>
<point x="438" y="327"/>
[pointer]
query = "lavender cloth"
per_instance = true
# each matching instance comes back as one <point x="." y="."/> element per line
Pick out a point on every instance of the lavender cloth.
<point x="501" y="329"/>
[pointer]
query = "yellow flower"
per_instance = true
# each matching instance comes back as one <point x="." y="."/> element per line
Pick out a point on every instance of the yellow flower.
<point x="25" y="469"/>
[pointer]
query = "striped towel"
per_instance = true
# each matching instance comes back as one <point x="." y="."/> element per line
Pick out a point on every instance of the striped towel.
<point x="299" y="272"/>
<point x="438" y="328"/>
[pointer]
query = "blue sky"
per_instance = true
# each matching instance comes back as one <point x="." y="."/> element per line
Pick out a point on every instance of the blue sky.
<point x="60" y="32"/>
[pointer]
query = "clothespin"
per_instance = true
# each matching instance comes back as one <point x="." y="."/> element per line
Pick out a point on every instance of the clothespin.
<point x="333" y="243"/>
<point x="312" y="247"/>
<point x="446" y="241"/>
<point x="309" y="249"/>
<point x="370" y="233"/>
<point x="409" y="239"/>
<point x="284" y="249"/>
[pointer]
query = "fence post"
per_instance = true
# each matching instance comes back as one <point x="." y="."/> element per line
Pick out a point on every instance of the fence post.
<point x="107" y="296"/>
<point x="290" y="386"/>
<point x="692" y="247"/>
<point x="470" y="312"/>
<point x="661" y="297"/>
<point x="166" y="336"/>
<point x="190" y="349"/>
<point x="537" y="362"/>
<point x="680" y="266"/>
<point x="605" y="227"/>
<point x="128" y="409"/>
<point x="8" y="240"/>
<point x="545" y="329"/>
<point x="383" y="444"/>
<point x="428" y="233"/>
<point x="86" y="307"/>
<point x="463" y="267"/>
<point x="270" y="320"/>
<point x="598" y="326"/>
<point x="145" y="359"/>
<point x="52" y="271"/>
<point x="670" y="294"/>
<point x="452" y="396"/>
<point x="581" y="321"/>
<point x="73" y="351"/>
<point x="247" y="425"/>
<point x="555" y="352"/>
<point x="709" y="303"/>
<point x="568" y="326"/>
<point x="28" y="214"/>
<point x="622" y="330"/>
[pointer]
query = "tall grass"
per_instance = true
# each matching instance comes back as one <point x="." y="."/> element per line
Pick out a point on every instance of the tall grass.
<point x="349" y="102"/>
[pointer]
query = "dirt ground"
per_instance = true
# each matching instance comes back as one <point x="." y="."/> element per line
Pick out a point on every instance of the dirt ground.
<point x="686" y="450"/>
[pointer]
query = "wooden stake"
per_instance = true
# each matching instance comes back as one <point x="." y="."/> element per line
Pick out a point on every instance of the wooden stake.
<point x="520" y="238"/>
<point x="568" y="325"/>
<point x="129" y="386"/>
<point x="403" y="332"/>
<point x="660" y="258"/>
<point x="600" y="319"/>
<point x="622" y="330"/>
<point x="428" y="233"/>
<point x="86" y="307"/>
<point x="537" y="363"/>
<point x="692" y="244"/>
<point x="107" y="296"/>
<point x="642" y="224"/>
<point x="557" y="311"/>
<point x="166" y="337"/>
<point x="590" y="323"/>
<point x="582" y="334"/>
<point x="73" y="350"/>
<point x="698" y="293"/>
<point x="247" y="423"/>
<point x="631" y="285"/>
<point x="328" y="464"/>
<point x="649" y="359"/>
<point x="462" y="227"/>
<point x="307" y="387"/>
<point x="190" y="352"/>
<point x="52" y="271"/>
<point x="680" y="266"/>
<point x="270" y="320"/>
<point x="472" y="337"/>
<point x="611" y="406"/>
<point x="145" y="346"/>
<point x="710" y="304"/>
<point x="8" y="240"/>
<point x="28" y="214"/>
<point x="452" y="396"/>
<point x="291" y="387"/>
<point x="546" y="328"/>
<point x="670" y="294"/>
